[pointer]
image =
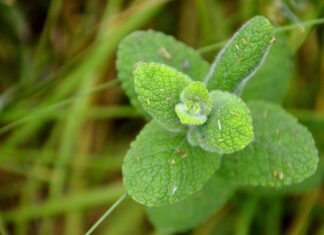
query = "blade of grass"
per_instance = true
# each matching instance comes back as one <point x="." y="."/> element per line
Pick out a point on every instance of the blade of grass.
<point x="42" y="174"/>
<point x="135" y="218"/>
<point x="211" y="224"/>
<point x="301" y="220"/>
<point x="273" y="218"/>
<point x="100" y="50"/>
<point x="95" y="112"/>
<point x="47" y="157"/>
<point x="42" y="47"/>
<point x="90" y="199"/>
<point x="205" y="21"/>
<point x="3" y="229"/>
<point x="96" y="56"/>
<point x="72" y="133"/>
<point x="245" y="217"/>
<point x="100" y="53"/>
<point x="106" y="214"/>
<point x="74" y="220"/>
<point x="32" y="187"/>
<point x="43" y="112"/>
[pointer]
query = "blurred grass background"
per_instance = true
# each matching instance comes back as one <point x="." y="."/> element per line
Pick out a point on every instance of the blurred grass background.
<point x="66" y="124"/>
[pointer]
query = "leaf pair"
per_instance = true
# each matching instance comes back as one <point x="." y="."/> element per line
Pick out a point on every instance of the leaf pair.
<point x="170" y="96"/>
<point x="195" y="104"/>
<point x="222" y="121"/>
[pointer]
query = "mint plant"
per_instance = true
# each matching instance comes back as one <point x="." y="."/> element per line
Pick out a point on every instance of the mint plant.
<point x="202" y="140"/>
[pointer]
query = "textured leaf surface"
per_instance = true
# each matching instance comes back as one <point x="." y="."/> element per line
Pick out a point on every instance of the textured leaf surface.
<point x="282" y="153"/>
<point x="162" y="168"/>
<point x="158" y="88"/>
<point x="229" y="125"/>
<point x="307" y="185"/>
<point x="188" y="118"/>
<point x="150" y="46"/>
<point x="241" y="56"/>
<point x="194" y="136"/>
<point x="271" y="81"/>
<point x="197" y="92"/>
<point x="195" y="104"/>
<point x="194" y="210"/>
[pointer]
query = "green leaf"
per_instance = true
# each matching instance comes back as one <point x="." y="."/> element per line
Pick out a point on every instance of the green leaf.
<point x="194" y="136"/>
<point x="194" y="210"/>
<point x="271" y="81"/>
<point x="189" y="113"/>
<point x="310" y="184"/>
<point x="150" y="46"/>
<point x="195" y="106"/>
<point x="229" y="125"/>
<point x="307" y="185"/>
<point x="162" y="168"/>
<point x="242" y="55"/>
<point x="158" y="88"/>
<point x="282" y="153"/>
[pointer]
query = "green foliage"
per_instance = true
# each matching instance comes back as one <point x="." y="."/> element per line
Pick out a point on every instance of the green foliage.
<point x="150" y="46"/>
<point x="282" y="153"/>
<point x="241" y="56"/>
<point x="229" y="126"/>
<point x="271" y="81"/>
<point x="195" y="104"/>
<point x="158" y="88"/>
<point x="307" y="185"/>
<point x="194" y="122"/>
<point x="162" y="168"/>
<point x="65" y="125"/>
<point x="192" y="211"/>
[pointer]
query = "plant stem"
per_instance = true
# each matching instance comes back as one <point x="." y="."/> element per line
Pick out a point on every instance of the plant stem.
<point x="218" y="45"/>
<point x="303" y="24"/>
<point x="105" y="215"/>
<point x="211" y="47"/>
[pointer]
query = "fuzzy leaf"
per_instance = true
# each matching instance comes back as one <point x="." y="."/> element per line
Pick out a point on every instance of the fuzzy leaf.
<point x="187" y="118"/>
<point x="158" y="88"/>
<point x="229" y="125"/>
<point x="150" y="46"/>
<point x="282" y="153"/>
<point x="194" y="136"/>
<point x="242" y="55"/>
<point x="194" y="210"/>
<point x="162" y="168"/>
<point x="197" y="92"/>
<point x="271" y="81"/>
<point x="195" y="106"/>
<point x="307" y="185"/>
